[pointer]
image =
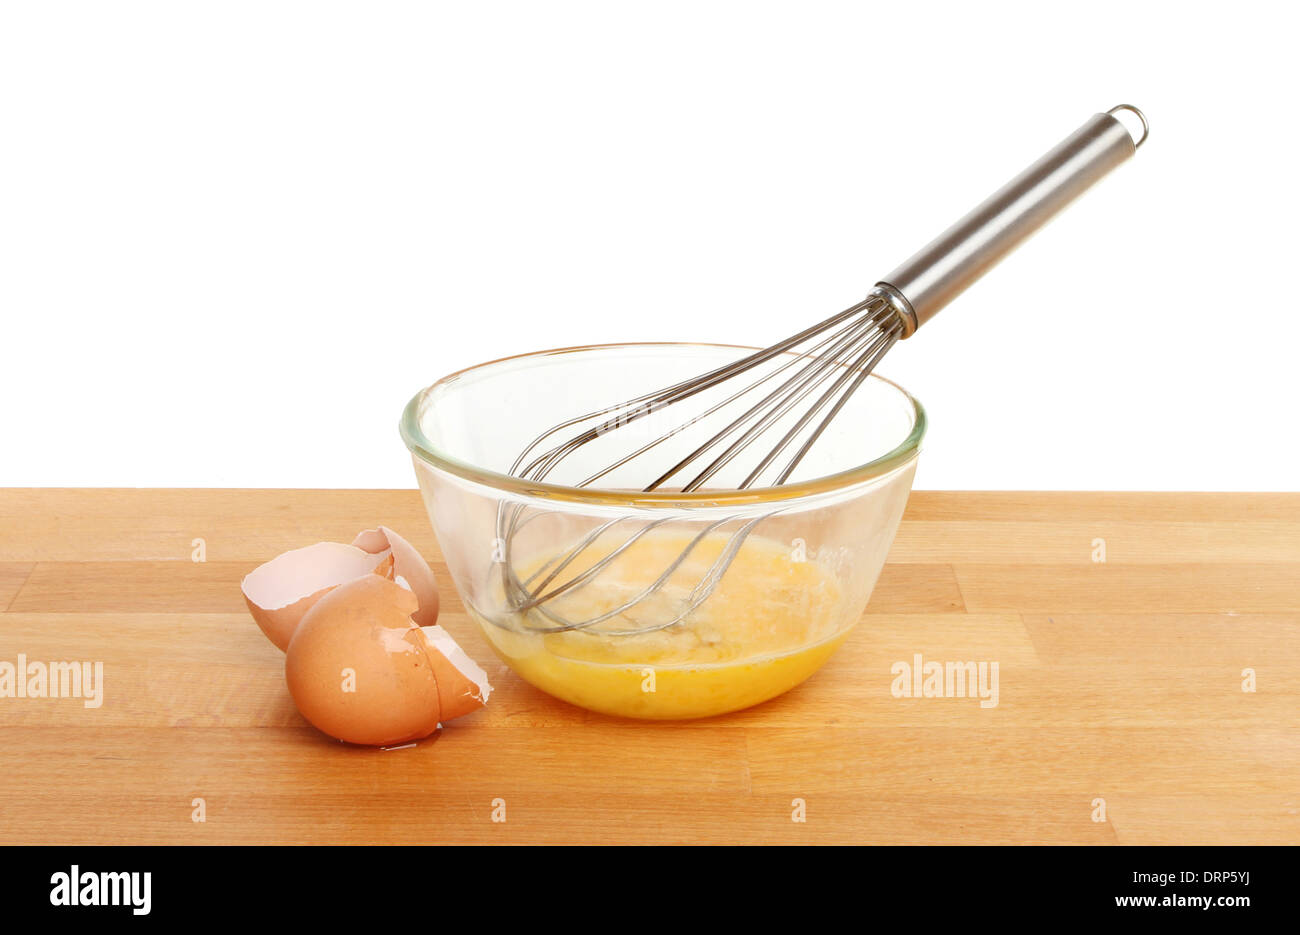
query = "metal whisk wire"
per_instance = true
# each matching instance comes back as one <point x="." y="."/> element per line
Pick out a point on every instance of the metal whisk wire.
<point x="870" y="324"/>
<point x="841" y="350"/>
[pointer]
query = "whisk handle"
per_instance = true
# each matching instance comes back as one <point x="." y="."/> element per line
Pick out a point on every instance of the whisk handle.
<point x="963" y="253"/>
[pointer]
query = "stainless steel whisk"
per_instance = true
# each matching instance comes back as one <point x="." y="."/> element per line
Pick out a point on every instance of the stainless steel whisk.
<point x="823" y="364"/>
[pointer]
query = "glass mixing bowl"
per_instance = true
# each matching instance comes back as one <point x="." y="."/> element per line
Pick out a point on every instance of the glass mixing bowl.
<point x="787" y="570"/>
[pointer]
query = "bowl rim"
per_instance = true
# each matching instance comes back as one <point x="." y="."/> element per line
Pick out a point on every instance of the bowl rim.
<point x="420" y="447"/>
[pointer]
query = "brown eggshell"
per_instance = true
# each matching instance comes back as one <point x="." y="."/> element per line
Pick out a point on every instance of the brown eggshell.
<point x="280" y="592"/>
<point x="408" y="564"/>
<point x="462" y="684"/>
<point x="359" y="669"/>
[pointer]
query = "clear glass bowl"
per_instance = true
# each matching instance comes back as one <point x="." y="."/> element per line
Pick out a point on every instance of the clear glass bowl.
<point x="806" y="554"/>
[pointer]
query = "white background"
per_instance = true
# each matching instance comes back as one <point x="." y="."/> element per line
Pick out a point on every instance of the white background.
<point x="236" y="237"/>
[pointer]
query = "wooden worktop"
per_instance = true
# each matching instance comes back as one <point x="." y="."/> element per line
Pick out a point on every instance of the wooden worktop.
<point x="1118" y="680"/>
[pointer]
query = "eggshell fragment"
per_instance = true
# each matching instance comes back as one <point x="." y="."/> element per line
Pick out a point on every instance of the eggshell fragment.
<point x="280" y="592"/>
<point x="360" y="670"/>
<point x="409" y="564"/>
<point x="462" y="683"/>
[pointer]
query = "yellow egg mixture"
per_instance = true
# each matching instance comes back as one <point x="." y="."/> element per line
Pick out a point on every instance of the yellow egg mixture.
<point x="771" y="622"/>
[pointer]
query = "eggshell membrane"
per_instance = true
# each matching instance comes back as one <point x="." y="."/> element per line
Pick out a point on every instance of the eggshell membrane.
<point x="365" y="627"/>
<point x="408" y="563"/>
<point x="462" y="684"/>
<point x="280" y="592"/>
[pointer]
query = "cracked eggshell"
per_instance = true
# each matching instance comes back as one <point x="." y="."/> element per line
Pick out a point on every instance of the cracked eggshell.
<point x="409" y="564"/>
<point x="359" y="669"/>
<point x="462" y="684"/>
<point x="280" y="592"/>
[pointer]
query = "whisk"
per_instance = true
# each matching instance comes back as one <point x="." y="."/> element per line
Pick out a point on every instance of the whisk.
<point x="773" y="404"/>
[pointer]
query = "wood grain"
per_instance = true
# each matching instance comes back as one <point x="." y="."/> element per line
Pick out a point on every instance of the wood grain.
<point x="1199" y="587"/>
<point x="13" y="575"/>
<point x="1119" y="681"/>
